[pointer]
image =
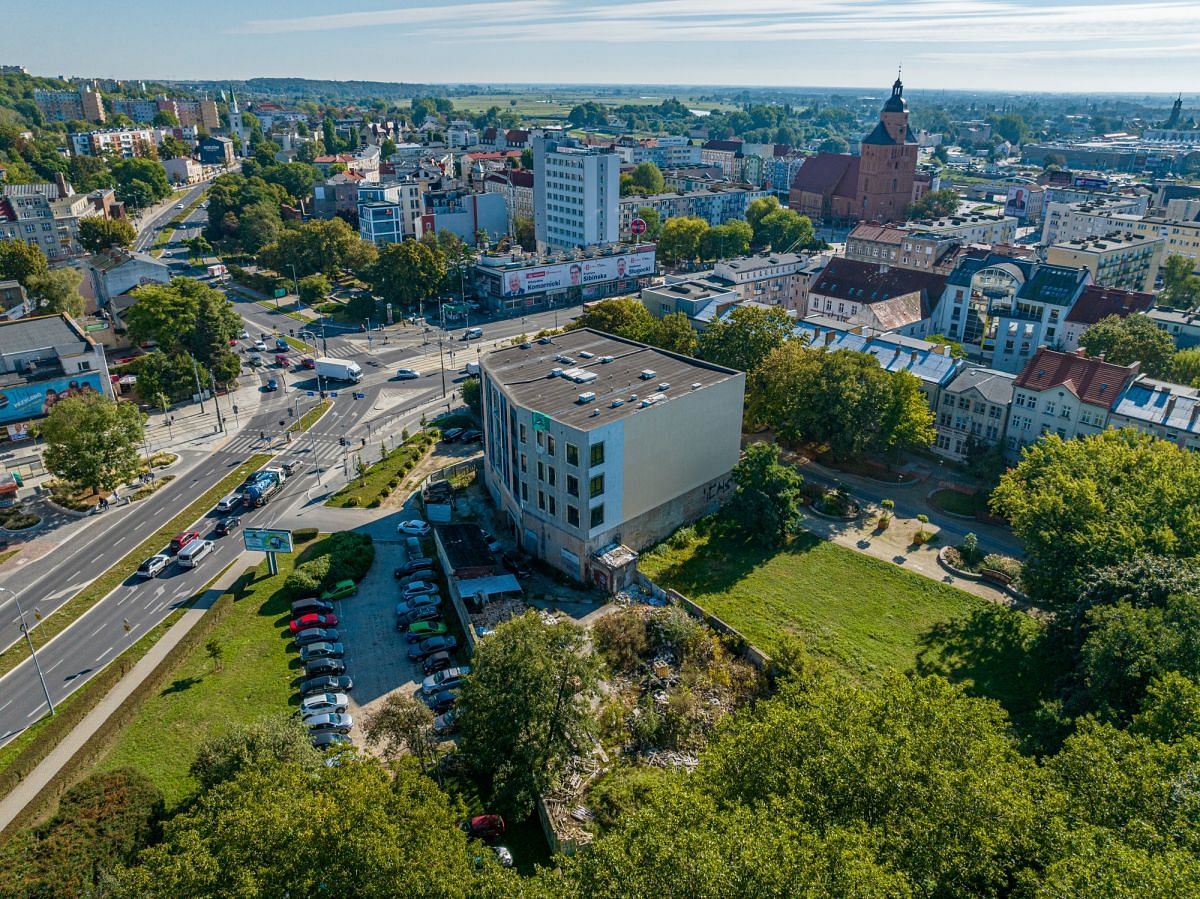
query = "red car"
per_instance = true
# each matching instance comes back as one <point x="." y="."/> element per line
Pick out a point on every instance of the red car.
<point x="179" y="541"/>
<point x="307" y="362"/>
<point x="484" y="827"/>
<point x="312" y="619"/>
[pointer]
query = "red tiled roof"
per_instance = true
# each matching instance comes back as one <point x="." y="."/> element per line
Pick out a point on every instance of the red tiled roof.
<point x="517" y="134"/>
<point x="866" y="282"/>
<point x="1098" y="302"/>
<point x="876" y="232"/>
<point x="828" y="174"/>
<point x="515" y="177"/>
<point x="1094" y="381"/>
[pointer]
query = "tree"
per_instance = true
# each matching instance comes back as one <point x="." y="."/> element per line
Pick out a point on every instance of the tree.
<point x="19" y="261"/>
<point x="653" y="220"/>
<point x="648" y="178"/>
<point x="525" y="709"/>
<point x="1181" y="288"/>
<point x="144" y="171"/>
<point x="724" y="241"/>
<point x="1010" y="126"/>
<point x="314" y="289"/>
<point x="183" y="317"/>
<point x="97" y="234"/>
<point x="1097" y="501"/>
<point x="57" y="291"/>
<point x="523" y="233"/>
<point x="743" y="339"/>
<point x="1185" y="367"/>
<point x="472" y="395"/>
<point x="527" y="159"/>
<point x="784" y="230"/>
<point x="622" y="316"/>
<point x="258" y="226"/>
<point x="136" y="194"/>
<point x="319" y="246"/>
<point x="403" y="725"/>
<point x="679" y="240"/>
<point x="252" y="746"/>
<point x="675" y="334"/>
<point x="766" y="502"/>
<point x="759" y="209"/>
<point x="833" y="145"/>
<point x="934" y="204"/>
<point x="387" y="148"/>
<point x="216" y="652"/>
<point x="1133" y="338"/>
<point x="173" y="148"/>
<point x="93" y="442"/>
<point x="407" y="272"/>
<point x="164" y="117"/>
<point x="1170" y="709"/>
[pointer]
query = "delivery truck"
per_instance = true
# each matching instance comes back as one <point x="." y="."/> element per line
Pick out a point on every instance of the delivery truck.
<point x="339" y="370"/>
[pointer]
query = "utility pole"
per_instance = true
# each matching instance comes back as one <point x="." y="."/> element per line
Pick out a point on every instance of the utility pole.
<point x="295" y="284"/>
<point x="442" y="364"/>
<point x="216" y="404"/>
<point x="32" y="652"/>
<point x="199" y="389"/>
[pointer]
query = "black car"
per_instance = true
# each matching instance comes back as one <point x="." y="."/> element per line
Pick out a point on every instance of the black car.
<point x="431" y="646"/>
<point x="471" y="436"/>
<point x="311" y="604"/>
<point x="315" y="635"/>
<point x="331" y="740"/>
<point x="327" y="684"/>
<point x="318" y="667"/>
<point x="451" y="434"/>
<point x="227" y="525"/>
<point x="413" y="565"/>
<point x="443" y="701"/>
<point x="437" y="662"/>
<point x="515" y="565"/>
<point x="420" y="613"/>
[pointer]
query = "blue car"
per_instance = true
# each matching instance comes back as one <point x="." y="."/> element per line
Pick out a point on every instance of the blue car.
<point x="272" y="385"/>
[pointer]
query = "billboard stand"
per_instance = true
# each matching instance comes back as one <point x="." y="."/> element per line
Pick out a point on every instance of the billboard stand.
<point x="272" y="564"/>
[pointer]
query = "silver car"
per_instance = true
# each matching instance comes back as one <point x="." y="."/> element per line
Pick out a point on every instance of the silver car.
<point x="335" y="722"/>
<point x="323" y="704"/>
<point x="321" y="651"/>
<point x="315" y="635"/>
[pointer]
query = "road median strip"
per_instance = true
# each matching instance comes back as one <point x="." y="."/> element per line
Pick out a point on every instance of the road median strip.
<point x="74" y="608"/>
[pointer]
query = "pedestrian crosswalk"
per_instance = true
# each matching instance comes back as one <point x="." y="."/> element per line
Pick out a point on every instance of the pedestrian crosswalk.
<point x="317" y="449"/>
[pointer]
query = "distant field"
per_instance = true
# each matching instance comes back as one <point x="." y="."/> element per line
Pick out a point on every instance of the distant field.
<point x="558" y="104"/>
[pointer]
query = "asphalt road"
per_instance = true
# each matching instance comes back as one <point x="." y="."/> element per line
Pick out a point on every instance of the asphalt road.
<point x="148" y="227"/>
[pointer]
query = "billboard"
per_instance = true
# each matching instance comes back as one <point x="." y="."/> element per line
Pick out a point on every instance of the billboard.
<point x="578" y="272"/>
<point x="267" y="540"/>
<point x="1091" y="183"/>
<point x="1017" y="204"/>
<point x="35" y="400"/>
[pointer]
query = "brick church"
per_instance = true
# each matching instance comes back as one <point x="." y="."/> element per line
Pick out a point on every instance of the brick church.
<point x="877" y="185"/>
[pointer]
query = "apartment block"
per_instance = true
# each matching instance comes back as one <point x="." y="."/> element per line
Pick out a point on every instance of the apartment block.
<point x="906" y="247"/>
<point x="972" y="411"/>
<point x="876" y="295"/>
<point x="1168" y="411"/>
<point x="1096" y="303"/>
<point x="125" y="143"/>
<point x="83" y="105"/>
<point x="716" y="205"/>
<point x="1122" y="260"/>
<point x="593" y="442"/>
<point x="575" y="193"/>
<point x="45" y="214"/>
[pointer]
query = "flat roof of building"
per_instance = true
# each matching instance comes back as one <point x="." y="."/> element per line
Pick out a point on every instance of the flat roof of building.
<point x="464" y="545"/>
<point x="42" y="332"/>
<point x="698" y="289"/>
<point x="633" y="374"/>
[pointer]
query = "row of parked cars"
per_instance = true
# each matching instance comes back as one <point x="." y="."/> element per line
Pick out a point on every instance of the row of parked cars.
<point x="324" y="700"/>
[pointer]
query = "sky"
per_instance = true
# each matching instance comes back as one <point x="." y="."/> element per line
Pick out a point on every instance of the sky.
<point x="1150" y="46"/>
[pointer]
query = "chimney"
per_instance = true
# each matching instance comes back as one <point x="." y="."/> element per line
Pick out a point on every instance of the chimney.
<point x="913" y="357"/>
<point x="60" y="181"/>
<point x="829" y="335"/>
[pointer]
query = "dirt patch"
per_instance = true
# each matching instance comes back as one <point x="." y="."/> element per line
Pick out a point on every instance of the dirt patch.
<point x="443" y="454"/>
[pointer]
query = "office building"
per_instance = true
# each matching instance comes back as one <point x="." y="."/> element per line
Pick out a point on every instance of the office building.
<point x="513" y="280"/>
<point x="1122" y="260"/>
<point x="594" y="440"/>
<point x="389" y="211"/>
<point x="575" y="194"/>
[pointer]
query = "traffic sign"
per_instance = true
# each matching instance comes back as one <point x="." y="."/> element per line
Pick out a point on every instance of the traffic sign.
<point x="333" y="393"/>
<point x="638" y="226"/>
<point x="312" y="393"/>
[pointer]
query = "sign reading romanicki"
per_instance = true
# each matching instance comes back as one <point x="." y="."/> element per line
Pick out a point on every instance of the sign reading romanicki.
<point x="578" y="272"/>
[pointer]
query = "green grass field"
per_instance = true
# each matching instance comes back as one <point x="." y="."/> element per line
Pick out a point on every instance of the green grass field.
<point x="378" y="477"/>
<point x="559" y="103"/>
<point x="256" y="679"/>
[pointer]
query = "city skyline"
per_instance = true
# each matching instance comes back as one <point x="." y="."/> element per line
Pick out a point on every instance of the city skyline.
<point x="1012" y="45"/>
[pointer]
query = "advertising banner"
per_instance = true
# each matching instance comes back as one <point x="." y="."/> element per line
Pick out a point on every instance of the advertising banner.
<point x="35" y="400"/>
<point x="579" y="272"/>
<point x="267" y="540"/>
<point x="1017" y="204"/>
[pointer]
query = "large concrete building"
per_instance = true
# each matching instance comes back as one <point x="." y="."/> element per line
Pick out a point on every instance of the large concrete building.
<point x="44" y="359"/>
<point x="575" y="193"/>
<point x="1122" y="260"/>
<point x="594" y="441"/>
<point x="125" y="143"/>
<point x="972" y="411"/>
<point x="514" y="281"/>
<point x="83" y="105"/>
<point x="389" y="211"/>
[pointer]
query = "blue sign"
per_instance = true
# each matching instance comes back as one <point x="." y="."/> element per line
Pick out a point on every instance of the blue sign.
<point x="35" y="400"/>
<point x="312" y="393"/>
<point x="333" y="393"/>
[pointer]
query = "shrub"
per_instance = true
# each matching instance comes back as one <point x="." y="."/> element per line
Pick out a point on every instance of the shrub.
<point x="352" y="501"/>
<point x="888" y="504"/>
<point x="884" y="521"/>
<point x="923" y="518"/>
<point x="342" y="555"/>
<point x="1004" y="564"/>
<point x="682" y="538"/>
<point x="623" y="791"/>
<point x="385" y="492"/>
<point x="375" y="503"/>
<point x="970" y="548"/>
<point x="622" y="639"/>
<point x="303" y="535"/>
<point x="394" y="483"/>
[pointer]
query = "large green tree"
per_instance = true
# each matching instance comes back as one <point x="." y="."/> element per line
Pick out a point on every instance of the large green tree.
<point x="1181" y="287"/>
<point x="1129" y="339"/>
<point x="622" y="316"/>
<point x="785" y="230"/>
<point x="674" y="332"/>
<point x="647" y="177"/>
<point x="407" y="272"/>
<point x="727" y="240"/>
<point x="57" y="291"/>
<point x="1185" y="367"/>
<point x="743" y="338"/>
<point x="318" y="246"/>
<point x="526" y="708"/>
<point x="766" y="502"/>
<point x="143" y="171"/>
<point x="20" y="261"/>
<point x="97" y="233"/>
<point x="679" y="240"/>
<point x="92" y="441"/>
<point x="756" y="211"/>
<point x="653" y="220"/>
<point x="1094" y="501"/>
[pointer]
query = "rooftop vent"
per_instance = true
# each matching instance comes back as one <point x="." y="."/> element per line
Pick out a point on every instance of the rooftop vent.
<point x="664" y="385"/>
<point x="586" y="397"/>
<point x="579" y="375"/>
<point x="696" y="385"/>
<point x="565" y="360"/>
<point x="606" y="359"/>
<point x="647" y="374"/>
<point x="584" y="354"/>
<point x="617" y="403"/>
<point x="556" y="372"/>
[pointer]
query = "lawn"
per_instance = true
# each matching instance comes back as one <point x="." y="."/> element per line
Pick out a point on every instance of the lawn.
<point x="958" y="503"/>
<point x="380" y="479"/>
<point x="867" y="615"/>
<point x="311" y="417"/>
<point x="256" y="679"/>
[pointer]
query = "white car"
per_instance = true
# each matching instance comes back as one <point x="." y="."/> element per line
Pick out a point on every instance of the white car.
<point x="153" y="566"/>
<point x="260" y="346"/>
<point x="245" y="335"/>
<point x="414" y="526"/>
<point x="230" y="503"/>
<point x="330" y="721"/>
<point x="323" y="704"/>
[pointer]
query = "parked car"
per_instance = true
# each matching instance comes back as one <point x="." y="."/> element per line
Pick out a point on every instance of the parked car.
<point x="419" y="630"/>
<point x="320" y="667"/>
<point x="312" y="619"/>
<point x="423" y="600"/>
<point x="316" y="635"/>
<point x="323" y="703"/>
<point x="451" y="434"/>
<point x="484" y="827"/>
<point x="311" y="605"/>
<point x="407" y="374"/>
<point x="340" y="590"/>
<point x="330" y="740"/>
<point x="422" y="574"/>
<point x="153" y="566"/>
<point x="413" y="546"/>
<point x="445" y="680"/>
<point x="421" y="613"/>
<point x="323" y="650"/>
<point x="326" y="684"/>
<point x="446" y="724"/>
<point x="227" y="526"/>
<point x="443" y="701"/>
<point x="471" y="435"/>
<point x="418" y="588"/>
<point x="431" y="645"/>
<point x="414" y="526"/>
<point x="515" y="565"/>
<point x="179" y="541"/>
<point x="414" y="565"/>
<point x="439" y="661"/>
<point x="337" y="722"/>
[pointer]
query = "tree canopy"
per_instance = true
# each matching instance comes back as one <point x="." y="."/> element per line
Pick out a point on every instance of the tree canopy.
<point x="97" y="233"/>
<point x="767" y="499"/>
<point x="744" y="338"/>
<point x="1181" y="288"/>
<point x="1133" y="338"/>
<point x="92" y="441"/>
<point x="679" y="240"/>
<point x="407" y="272"/>
<point x="325" y="246"/>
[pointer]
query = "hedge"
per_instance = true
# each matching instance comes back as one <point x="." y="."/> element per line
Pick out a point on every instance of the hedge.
<point x="342" y="555"/>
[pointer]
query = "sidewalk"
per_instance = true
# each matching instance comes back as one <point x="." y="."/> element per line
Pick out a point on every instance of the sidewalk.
<point x="12" y="804"/>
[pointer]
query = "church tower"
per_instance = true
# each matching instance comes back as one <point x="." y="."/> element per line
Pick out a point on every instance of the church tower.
<point x="888" y="163"/>
<point x="1176" y="114"/>
<point x="237" y="126"/>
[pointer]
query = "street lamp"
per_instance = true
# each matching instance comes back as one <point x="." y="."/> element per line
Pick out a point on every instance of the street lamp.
<point x="32" y="651"/>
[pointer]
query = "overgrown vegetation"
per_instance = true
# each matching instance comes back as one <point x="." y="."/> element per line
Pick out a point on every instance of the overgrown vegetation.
<point x="375" y="482"/>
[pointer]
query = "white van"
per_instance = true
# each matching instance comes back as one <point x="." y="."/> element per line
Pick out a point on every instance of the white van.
<point x="190" y="555"/>
<point x="472" y="334"/>
<point x="472" y="368"/>
<point x="229" y="503"/>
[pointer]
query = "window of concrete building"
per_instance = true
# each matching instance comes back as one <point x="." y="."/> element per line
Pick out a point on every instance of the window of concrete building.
<point x="524" y="492"/>
<point x="597" y="452"/>
<point x="550" y="445"/>
<point x="541" y="472"/>
<point x="596" y="486"/>
<point x="522" y="433"/>
<point x="541" y="440"/>
<point x="550" y="477"/>
<point x="541" y="500"/>
<point x="572" y="485"/>
<point x="598" y="515"/>
<point x="524" y="464"/>
<point x="550" y="500"/>
<point x="573" y="516"/>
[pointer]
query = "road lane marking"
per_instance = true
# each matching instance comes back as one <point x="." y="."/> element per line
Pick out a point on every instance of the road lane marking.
<point x="99" y="629"/>
<point x="106" y="652"/>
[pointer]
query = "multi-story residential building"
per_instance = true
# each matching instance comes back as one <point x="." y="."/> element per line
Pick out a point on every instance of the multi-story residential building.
<point x="200" y="113"/>
<point x="115" y="273"/>
<point x="138" y="109"/>
<point x="516" y="186"/>
<point x="512" y="280"/>
<point x="773" y="279"/>
<point x="973" y="227"/>
<point x="364" y="161"/>
<point x="725" y="155"/>
<point x="1096" y="303"/>
<point x="1095" y="217"/>
<point x="972" y="411"/>
<point x="715" y="205"/>
<point x="1068" y="394"/>
<point x="183" y="170"/>
<point x="884" y="297"/>
<point x="904" y="246"/>
<point x="1167" y="411"/>
<point x="123" y="142"/>
<point x="594" y="440"/>
<point x="389" y="211"/>
<point x="1123" y="260"/>
<point x="1180" y="238"/>
<point x="696" y="177"/>
<point x="83" y="105"/>
<point x="214" y="150"/>
<point x="575" y="193"/>
<point x="664" y="152"/>
<point x="1002" y="308"/>
<point x="45" y="214"/>
<point x="337" y="194"/>
<point x="462" y="134"/>
<point x="1184" y="327"/>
